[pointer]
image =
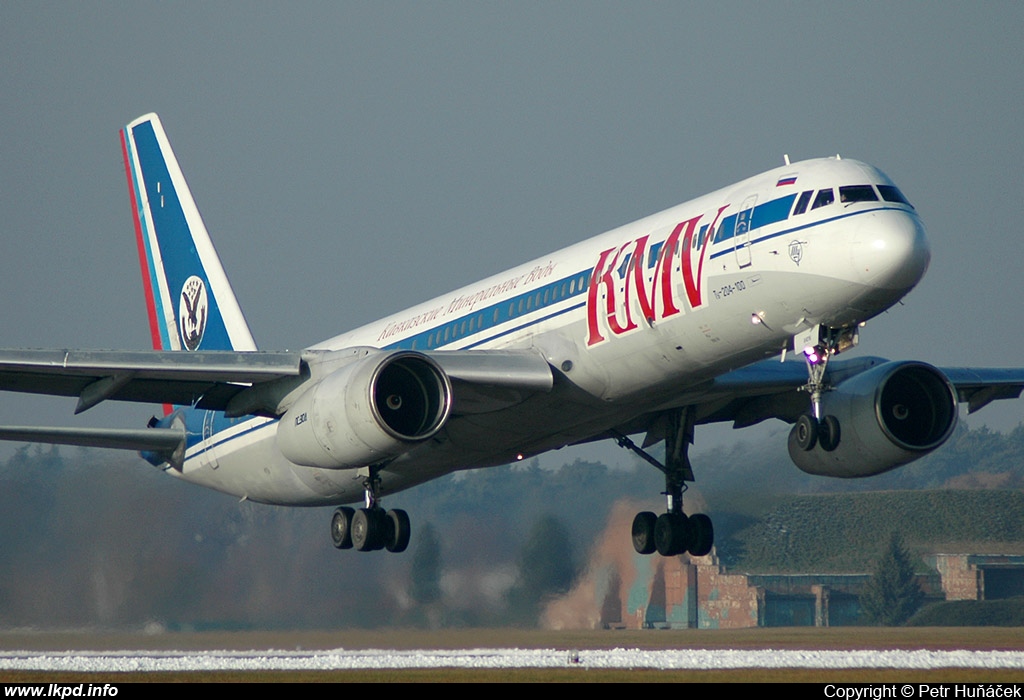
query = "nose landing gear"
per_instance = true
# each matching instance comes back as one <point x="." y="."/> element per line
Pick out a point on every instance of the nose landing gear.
<point x="815" y="429"/>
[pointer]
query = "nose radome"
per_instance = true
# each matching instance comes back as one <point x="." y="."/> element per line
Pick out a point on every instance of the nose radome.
<point x="890" y="250"/>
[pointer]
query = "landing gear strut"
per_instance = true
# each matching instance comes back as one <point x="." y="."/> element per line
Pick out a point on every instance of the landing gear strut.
<point x="672" y="532"/>
<point x="371" y="527"/>
<point x="815" y="429"/>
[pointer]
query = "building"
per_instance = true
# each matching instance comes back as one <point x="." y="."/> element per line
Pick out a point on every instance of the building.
<point x="697" y="592"/>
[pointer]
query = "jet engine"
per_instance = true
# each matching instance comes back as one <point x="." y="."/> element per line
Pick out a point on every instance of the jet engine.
<point x="366" y="411"/>
<point x="888" y="416"/>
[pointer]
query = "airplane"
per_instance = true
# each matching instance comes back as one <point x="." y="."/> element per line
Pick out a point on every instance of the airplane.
<point x="729" y="307"/>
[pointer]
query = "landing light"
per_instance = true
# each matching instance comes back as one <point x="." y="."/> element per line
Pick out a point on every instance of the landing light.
<point x="815" y="354"/>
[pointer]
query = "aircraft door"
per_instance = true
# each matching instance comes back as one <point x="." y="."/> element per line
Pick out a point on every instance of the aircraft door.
<point x="208" y="458"/>
<point x="741" y="236"/>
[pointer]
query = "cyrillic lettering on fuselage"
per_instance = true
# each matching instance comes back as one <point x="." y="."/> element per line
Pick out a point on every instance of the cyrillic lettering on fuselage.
<point x="626" y="265"/>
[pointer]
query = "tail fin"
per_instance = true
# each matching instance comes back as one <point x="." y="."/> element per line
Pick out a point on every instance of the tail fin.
<point x="189" y="299"/>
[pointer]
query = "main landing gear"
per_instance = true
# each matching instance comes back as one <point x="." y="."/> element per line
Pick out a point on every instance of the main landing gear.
<point x="672" y="532"/>
<point x="815" y="429"/>
<point x="371" y="527"/>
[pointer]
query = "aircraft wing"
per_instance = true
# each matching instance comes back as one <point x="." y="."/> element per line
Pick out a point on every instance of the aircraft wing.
<point x="771" y="389"/>
<point x="979" y="387"/>
<point x="483" y="380"/>
<point x="202" y="379"/>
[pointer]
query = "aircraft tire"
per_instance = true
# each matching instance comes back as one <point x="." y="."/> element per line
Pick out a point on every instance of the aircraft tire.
<point x="368" y="529"/>
<point x="828" y="433"/>
<point x="643" y="532"/>
<point x="399" y="532"/>
<point x="341" y="528"/>
<point x="671" y="534"/>
<point x="806" y="432"/>
<point x="702" y="535"/>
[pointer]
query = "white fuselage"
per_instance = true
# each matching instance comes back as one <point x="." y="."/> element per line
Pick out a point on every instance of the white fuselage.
<point x="629" y="320"/>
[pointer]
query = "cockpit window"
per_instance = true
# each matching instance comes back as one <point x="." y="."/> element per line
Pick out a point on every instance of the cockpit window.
<point x="891" y="193"/>
<point x="857" y="193"/>
<point x="801" y="204"/>
<point x="825" y="197"/>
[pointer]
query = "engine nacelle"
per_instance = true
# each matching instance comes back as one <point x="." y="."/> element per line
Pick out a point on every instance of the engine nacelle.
<point x="366" y="411"/>
<point x="888" y="416"/>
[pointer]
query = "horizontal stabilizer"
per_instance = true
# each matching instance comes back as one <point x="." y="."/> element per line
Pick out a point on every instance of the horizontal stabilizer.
<point x="163" y="440"/>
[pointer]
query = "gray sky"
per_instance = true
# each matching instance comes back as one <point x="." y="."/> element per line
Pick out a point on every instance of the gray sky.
<point x="353" y="159"/>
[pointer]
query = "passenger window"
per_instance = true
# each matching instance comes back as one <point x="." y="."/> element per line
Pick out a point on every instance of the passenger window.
<point x="652" y="257"/>
<point x="857" y="193"/>
<point x="824" y="198"/>
<point x="801" y="204"/>
<point x="624" y="267"/>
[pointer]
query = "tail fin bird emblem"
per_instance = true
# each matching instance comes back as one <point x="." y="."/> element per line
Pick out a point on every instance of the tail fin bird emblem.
<point x="192" y="312"/>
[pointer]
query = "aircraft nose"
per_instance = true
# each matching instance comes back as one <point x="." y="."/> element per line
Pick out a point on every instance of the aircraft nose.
<point x="890" y="250"/>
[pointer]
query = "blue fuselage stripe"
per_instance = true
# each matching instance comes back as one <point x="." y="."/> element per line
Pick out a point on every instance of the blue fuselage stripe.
<point x="794" y="229"/>
<point x="478" y="322"/>
<point x="499" y="314"/>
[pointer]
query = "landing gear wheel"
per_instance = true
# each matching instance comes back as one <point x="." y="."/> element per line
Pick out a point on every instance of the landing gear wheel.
<point x="643" y="532"/>
<point x="702" y="535"/>
<point x="828" y="433"/>
<point x="368" y="529"/>
<point x="672" y="534"/>
<point x="806" y="432"/>
<point x="399" y="530"/>
<point x="341" y="528"/>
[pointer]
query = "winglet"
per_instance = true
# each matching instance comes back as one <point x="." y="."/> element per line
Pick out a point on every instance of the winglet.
<point x="191" y="304"/>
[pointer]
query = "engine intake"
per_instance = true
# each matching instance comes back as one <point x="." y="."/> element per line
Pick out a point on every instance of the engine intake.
<point x="917" y="407"/>
<point x="367" y="411"/>
<point x="889" y="416"/>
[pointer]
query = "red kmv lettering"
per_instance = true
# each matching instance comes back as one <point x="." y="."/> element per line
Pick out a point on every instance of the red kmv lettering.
<point x="635" y="292"/>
